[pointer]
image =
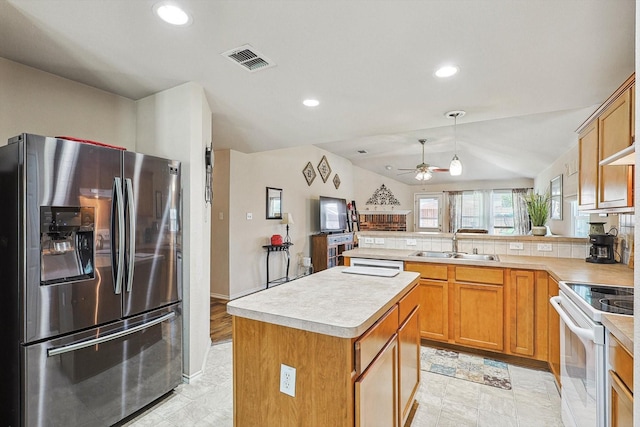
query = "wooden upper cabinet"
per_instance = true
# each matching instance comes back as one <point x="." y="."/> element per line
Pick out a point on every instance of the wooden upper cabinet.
<point x="588" y="166"/>
<point x="615" y="187"/>
<point x="608" y="130"/>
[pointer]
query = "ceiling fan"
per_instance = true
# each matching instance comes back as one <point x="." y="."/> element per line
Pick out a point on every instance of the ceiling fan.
<point x="423" y="171"/>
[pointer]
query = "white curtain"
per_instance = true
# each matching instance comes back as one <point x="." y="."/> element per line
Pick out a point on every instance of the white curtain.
<point x="455" y="210"/>
<point x="521" y="222"/>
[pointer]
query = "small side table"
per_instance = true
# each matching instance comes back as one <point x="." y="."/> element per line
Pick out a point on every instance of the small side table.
<point x="278" y="248"/>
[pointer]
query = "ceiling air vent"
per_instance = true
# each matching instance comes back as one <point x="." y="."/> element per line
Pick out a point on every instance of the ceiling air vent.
<point x="249" y="58"/>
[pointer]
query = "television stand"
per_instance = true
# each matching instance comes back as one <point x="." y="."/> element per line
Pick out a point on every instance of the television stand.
<point x="327" y="249"/>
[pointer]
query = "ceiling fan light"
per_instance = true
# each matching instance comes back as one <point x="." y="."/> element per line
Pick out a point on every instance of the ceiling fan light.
<point x="455" y="167"/>
<point x="423" y="176"/>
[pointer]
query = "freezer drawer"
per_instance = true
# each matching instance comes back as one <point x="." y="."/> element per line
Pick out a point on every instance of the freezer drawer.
<point x="98" y="377"/>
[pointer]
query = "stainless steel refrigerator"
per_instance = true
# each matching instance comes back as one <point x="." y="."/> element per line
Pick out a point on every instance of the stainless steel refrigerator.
<point x="90" y="272"/>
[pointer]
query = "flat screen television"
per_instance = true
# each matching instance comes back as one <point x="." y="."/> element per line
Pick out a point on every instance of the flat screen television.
<point x="333" y="215"/>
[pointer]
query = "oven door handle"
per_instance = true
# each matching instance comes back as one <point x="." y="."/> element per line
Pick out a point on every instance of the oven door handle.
<point x="584" y="333"/>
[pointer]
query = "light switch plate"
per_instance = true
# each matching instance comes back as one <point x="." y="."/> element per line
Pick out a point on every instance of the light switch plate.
<point x="412" y="242"/>
<point x="545" y="247"/>
<point x="517" y="246"/>
<point x="379" y="241"/>
<point x="368" y="239"/>
<point x="249" y="215"/>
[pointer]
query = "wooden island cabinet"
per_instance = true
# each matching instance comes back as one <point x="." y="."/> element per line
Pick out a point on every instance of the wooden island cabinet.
<point x="353" y="341"/>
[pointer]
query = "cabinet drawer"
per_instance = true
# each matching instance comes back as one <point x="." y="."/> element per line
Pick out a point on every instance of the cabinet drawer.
<point x="375" y="338"/>
<point x="494" y="276"/>
<point x="408" y="302"/>
<point x="427" y="270"/>
<point x="621" y="362"/>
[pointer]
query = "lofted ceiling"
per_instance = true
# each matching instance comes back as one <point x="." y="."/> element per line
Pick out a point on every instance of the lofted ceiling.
<point x="530" y="71"/>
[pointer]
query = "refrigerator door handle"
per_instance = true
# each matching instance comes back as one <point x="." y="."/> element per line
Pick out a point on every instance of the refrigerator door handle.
<point x="55" y="351"/>
<point x="119" y="262"/>
<point x="132" y="231"/>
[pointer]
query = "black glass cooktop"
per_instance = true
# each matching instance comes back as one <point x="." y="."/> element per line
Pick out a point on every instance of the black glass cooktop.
<point x="609" y="299"/>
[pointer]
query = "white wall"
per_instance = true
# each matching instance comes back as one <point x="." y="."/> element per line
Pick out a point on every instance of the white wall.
<point x="176" y="123"/>
<point x="567" y="166"/>
<point x="33" y="101"/>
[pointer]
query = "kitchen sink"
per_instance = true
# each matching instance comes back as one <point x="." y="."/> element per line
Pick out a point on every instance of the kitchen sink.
<point x="433" y="254"/>
<point x="456" y="255"/>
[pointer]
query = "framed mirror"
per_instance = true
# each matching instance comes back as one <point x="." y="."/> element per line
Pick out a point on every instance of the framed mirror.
<point x="274" y="203"/>
<point x="555" y="191"/>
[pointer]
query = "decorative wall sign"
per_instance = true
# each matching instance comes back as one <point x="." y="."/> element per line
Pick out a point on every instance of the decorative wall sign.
<point x="324" y="169"/>
<point x="309" y="173"/>
<point x="383" y="196"/>
<point x="336" y="181"/>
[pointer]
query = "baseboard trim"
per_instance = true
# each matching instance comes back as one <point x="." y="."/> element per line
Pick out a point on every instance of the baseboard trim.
<point x="220" y="296"/>
<point x="186" y="378"/>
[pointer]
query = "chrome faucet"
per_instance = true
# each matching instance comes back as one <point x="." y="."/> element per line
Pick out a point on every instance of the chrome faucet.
<point x="454" y="242"/>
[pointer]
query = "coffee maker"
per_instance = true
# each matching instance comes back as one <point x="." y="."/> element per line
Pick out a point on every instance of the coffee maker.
<point x="601" y="250"/>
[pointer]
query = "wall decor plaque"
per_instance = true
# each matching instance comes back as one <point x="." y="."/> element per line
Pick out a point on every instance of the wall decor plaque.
<point x="336" y="181"/>
<point x="309" y="173"/>
<point x="324" y="169"/>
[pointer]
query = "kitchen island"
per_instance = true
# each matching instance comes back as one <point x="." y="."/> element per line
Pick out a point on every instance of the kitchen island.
<point x="353" y="341"/>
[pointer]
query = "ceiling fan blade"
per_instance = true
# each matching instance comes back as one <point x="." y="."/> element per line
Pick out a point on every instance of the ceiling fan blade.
<point x="436" y="169"/>
<point x="406" y="173"/>
<point x="404" y="169"/>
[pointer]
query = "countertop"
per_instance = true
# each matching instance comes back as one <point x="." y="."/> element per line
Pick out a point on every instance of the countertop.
<point x="329" y="302"/>
<point x="567" y="269"/>
<point x="621" y="327"/>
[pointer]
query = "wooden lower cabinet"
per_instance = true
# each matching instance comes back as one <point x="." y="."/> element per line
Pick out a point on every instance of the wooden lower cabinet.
<point x="409" y="366"/>
<point x="621" y="384"/>
<point x="434" y="315"/>
<point x="490" y="308"/>
<point x="478" y="315"/>
<point x="377" y="390"/>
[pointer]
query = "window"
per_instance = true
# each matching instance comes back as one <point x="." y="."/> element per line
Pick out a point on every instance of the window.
<point x="428" y="212"/>
<point x="580" y="221"/>
<point x="491" y="210"/>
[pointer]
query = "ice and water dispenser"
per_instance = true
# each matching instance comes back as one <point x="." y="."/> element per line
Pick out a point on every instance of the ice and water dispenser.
<point x="66" y="244"/>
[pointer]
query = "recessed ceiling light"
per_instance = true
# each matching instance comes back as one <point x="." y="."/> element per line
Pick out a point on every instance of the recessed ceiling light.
<point x="311" y="102"/>
<point x="171" y="13"/>
<point x="447" y="71"/>
<point x="388" y="167"/>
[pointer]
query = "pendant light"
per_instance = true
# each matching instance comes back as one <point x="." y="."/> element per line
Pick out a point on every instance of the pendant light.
<point x="455" y="167"/>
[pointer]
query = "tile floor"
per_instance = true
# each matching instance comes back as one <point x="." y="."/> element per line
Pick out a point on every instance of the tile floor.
<point x="444" y="401"/>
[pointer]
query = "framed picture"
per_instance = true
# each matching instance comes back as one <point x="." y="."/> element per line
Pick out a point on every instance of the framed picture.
<point x="324" y="169"/>
<point x="555" y="191"/>
<point x="309" y="173"/>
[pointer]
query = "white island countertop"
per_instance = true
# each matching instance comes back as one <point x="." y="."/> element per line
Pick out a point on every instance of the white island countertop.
<point x="329" y="302"/>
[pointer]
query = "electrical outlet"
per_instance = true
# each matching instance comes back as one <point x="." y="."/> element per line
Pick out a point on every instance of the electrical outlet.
<point x="249" y="215"/>
<point x="545" y="247"/>
<point x="221" y="216"/>
<point x="412" y="242"/>
<point x="517" y="246"/>
<point x="288" y="380"/>
<point x="379" y="241"/>
<point x="368" y="239"/>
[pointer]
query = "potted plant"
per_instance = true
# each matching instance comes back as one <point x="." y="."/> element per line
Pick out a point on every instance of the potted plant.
<point x="538" y="210"/>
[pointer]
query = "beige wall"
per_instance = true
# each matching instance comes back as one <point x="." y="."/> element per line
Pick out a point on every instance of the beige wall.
<point x="249" y="175"/>
<point x="220" y="225"/>
<point x="33" y="101"/>
<point x="176" y="123"/>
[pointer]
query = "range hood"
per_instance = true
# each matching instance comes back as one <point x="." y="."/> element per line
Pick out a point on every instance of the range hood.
<point x="622" y="157"/>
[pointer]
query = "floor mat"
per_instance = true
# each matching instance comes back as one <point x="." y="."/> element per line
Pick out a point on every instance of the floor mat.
<point x="466" y="366"/>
